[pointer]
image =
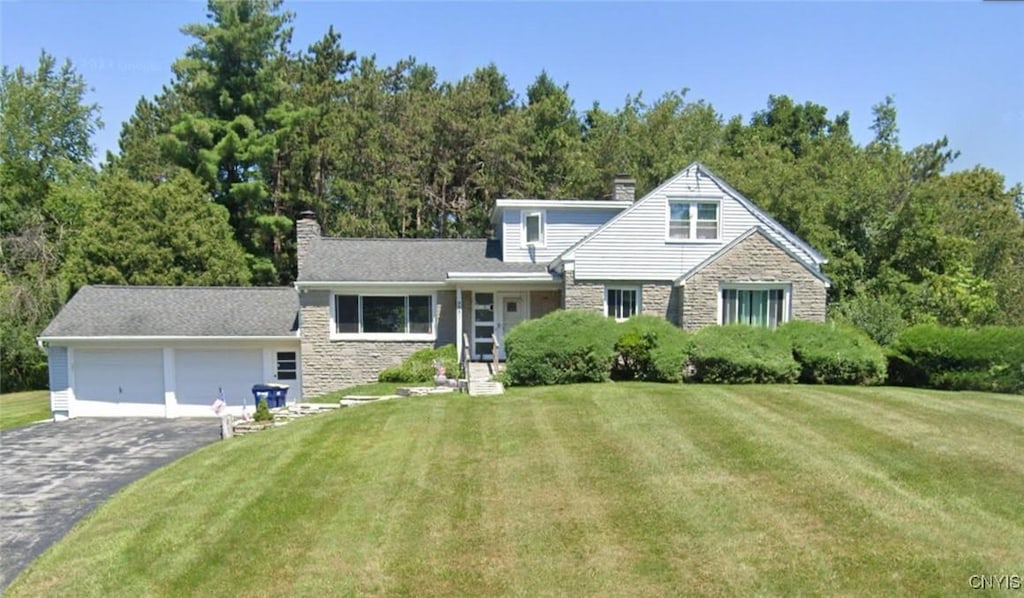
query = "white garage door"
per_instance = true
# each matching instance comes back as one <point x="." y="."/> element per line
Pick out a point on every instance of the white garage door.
<point x="118" y="382"/>
<point x="201" y="375"/>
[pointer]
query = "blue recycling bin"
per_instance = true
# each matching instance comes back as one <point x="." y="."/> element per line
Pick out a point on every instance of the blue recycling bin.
<point x="275" y="394"/>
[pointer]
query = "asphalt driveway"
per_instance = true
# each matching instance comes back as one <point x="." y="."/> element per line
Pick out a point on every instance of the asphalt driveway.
<point x="52" y="474"/>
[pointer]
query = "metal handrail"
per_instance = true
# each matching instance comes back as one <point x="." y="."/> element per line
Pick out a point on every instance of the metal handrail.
<point x="494" y="351"/>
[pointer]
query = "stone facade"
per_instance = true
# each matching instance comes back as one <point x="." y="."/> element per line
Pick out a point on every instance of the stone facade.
<point x="660" y="299"/>
<point x="583" y="294"/>
<point x="329" y="365"/>
<point x="754" y="260"/>
<point x="656" y="298"/>
<point x="544" y="302"/>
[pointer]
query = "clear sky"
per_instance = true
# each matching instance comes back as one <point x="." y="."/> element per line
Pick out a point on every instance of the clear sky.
<point x="955" y="68"/>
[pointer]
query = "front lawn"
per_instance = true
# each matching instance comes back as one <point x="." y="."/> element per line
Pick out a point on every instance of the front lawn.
<point x="615" y="489"/>
<point x="373" y="389"/>
<point x="20" y="408"/>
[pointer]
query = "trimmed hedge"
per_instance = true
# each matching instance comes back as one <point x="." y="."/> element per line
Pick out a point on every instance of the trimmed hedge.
<point x="989" y="358"/>
<point x="650" y="348"/>
<point x="563" y="347"/>
<point x="830" y="353"/>
<point x="419" y="367"/>
<point x="738" y="354"/>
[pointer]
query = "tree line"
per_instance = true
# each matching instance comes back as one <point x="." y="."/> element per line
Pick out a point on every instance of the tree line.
<point x="249" y="131"/>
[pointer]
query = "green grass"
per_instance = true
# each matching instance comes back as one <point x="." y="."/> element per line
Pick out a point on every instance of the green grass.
<point x="615" y="489"/>
<point x="374" y="389"/>
<point x="20" y="408"/>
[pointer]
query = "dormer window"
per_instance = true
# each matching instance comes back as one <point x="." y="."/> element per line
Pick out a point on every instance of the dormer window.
<point x="693" y="220"/>
<point x="533" y="228"/>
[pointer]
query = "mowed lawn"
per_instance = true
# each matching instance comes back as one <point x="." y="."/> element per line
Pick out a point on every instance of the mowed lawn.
<point x="20" y="408"/>
<point x="616" y="489"/>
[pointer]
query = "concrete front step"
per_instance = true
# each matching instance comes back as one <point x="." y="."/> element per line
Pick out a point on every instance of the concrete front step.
<point x="486" y="388"/>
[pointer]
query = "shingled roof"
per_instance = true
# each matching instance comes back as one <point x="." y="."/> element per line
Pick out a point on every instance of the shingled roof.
<point x="126" y="311"/>
<point x="405" y="260"/>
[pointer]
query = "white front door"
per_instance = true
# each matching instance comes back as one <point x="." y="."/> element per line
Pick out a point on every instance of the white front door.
<point x="513" y="311"/>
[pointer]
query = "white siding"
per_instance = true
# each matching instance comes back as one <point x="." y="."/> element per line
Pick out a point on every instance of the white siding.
<point x="60" y="393"/>
<point x="634" y="247"/>
<point x="562" y="228"/>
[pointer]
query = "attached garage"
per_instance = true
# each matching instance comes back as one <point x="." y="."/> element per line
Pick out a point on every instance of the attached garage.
<point x="170" y="351"/>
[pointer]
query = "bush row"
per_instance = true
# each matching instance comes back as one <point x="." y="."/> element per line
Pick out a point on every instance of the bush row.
<point x="989" y="358"/>
<point x="571" y="346"/>
<point x="419" y="367"/>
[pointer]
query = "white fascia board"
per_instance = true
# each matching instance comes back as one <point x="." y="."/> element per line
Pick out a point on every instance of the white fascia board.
<point x="150" y="339"/>
<point x="358" y="284"/>
<point x="590" y="204"/>
<point x="500" y="277"/>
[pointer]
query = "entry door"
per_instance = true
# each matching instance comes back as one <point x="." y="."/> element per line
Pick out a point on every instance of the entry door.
<point x="513" y="311"/>
<point x="485" y="320"/>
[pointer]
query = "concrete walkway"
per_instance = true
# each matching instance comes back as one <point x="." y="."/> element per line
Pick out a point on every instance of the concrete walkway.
<point x="52" y="474"/>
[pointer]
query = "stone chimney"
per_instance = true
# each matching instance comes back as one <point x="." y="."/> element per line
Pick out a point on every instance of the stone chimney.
<point x="307" y="230"/>
<point x="624" y="188"/>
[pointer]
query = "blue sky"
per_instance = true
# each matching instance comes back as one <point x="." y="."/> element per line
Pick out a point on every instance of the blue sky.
<point x="955" y="68"/>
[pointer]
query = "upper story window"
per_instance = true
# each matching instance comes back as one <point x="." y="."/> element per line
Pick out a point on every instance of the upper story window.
<point x="693" y="220"/>
<point x="621" y="302"/>
<point x="394" y="316"/>
<point x="533" y="228"/>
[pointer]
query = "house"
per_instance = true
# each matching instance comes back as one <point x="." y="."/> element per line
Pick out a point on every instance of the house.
<point x="694" y="251"/>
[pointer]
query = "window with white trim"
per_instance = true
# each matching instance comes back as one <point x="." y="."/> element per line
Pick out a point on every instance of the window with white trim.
<point x="693" y="220"/>
<point x="621" y="302"/>
<point x="766" y="307"/>
<point x="383" y="314"/>
<point x="533" y="228"/>
<point x="287" y="365"/>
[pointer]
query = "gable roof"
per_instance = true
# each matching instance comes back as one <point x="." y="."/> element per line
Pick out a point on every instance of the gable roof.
<point x="758" y="213"/>
<point x="141" y="311"/>
<point x="332" y="259"/>
<point x="728" y="247"/>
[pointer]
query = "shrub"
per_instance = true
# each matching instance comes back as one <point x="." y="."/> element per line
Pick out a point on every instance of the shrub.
<point x="830" y="353"/>
<point x="263" y="413"/>
<point x="650" y="348"/>
<point x="563" y="347"/>
<point x="742" y="355"/>
<point x="989" y="358"/>
<point x="419" y="367"/>
<point x="880" y="317"/>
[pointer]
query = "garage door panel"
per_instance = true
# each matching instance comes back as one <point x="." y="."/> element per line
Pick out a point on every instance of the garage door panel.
<point x="119" y="376"/>
<point x="201" y="374"/>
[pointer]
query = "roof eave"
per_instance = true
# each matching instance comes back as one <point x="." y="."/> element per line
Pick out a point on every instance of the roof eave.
<point x="150" y="338"/>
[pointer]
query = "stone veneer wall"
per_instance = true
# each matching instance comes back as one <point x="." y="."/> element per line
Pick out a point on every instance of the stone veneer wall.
<point x="329" y="365"/>
<point x="544" y="302"/>
<point x="660" y="299"/>
<point x="753" y="260"/>
<point x="582" y="294"/>
<point x="656" y="298"/>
